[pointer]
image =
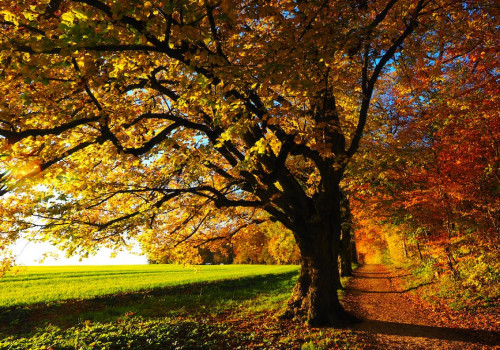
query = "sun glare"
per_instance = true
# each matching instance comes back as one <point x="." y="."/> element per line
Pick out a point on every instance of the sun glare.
<point x="25" y="170"/>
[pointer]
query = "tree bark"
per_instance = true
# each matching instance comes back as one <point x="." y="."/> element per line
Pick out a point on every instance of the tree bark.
<point x="345" y="249"/>
<point x="419" y="251"/>
<point x="354" y="254"/>
<point x="314" y="297"/>
<point x="346" y="254"/>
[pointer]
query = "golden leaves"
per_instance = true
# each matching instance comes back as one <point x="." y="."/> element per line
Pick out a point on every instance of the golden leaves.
<point x="225" y="88"/>
<point x="10" y="17"/>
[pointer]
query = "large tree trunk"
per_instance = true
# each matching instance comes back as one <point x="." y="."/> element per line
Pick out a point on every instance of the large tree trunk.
<point x="315" y="296"/>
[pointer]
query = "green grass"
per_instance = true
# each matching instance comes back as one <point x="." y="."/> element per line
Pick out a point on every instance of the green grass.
<point x="32" y="285"/>
<point x="212" y="307"/>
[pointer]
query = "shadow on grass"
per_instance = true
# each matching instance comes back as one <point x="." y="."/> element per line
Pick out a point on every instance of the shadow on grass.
<point x="209" y="297"/>
<point x="482" y="337"/>
<point x="85" y="275"/>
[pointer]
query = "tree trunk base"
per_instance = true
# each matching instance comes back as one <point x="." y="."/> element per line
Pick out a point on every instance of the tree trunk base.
<point x="308" y="304"/>
<point x="339" y="318"/>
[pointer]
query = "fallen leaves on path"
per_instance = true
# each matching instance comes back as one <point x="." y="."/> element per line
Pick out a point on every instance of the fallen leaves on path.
<point x="396" y="318"/>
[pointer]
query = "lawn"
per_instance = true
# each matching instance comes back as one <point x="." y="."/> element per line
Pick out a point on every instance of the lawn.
<point x="30" y="285"/>
<point x="156" y="307"/>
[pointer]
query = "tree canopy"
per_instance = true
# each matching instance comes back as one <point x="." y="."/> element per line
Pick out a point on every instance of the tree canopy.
<point x="181" y="123"/>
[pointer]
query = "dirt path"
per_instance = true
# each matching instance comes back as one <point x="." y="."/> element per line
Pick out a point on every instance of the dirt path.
<point x="392" y="320"/>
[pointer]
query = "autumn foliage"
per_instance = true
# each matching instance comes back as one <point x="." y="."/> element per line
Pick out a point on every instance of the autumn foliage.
<point x="432" y="198"/>
<point x="188" y="125"/>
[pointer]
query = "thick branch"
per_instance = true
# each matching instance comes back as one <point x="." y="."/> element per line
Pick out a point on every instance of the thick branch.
<point x="16" y="136"/>
<point x="213" y="29"/>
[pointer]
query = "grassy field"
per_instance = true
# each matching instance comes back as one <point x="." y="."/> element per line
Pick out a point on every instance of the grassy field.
<point x="156" y="307"/>
<point x="29" y="285"/>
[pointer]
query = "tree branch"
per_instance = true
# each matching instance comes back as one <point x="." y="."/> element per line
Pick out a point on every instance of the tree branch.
<point x="368" y="91"/>
<point x="16" y="136"/>
<point x="231" y="234"/>
<point x="87" y="88"/>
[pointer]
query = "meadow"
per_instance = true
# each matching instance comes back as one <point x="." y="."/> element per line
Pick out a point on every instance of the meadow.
<point x="155" y="307"/>
<point x="45" y="284"/>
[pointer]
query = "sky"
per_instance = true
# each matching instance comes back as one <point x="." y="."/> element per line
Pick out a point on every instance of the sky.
<point x="29" y="254"/>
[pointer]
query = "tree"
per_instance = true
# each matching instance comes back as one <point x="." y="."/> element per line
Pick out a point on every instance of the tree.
<point x="164" y="120"/>
<point x="427" y="182"/>
<point x="444" y="133"/>
<point x="347" y="249"/>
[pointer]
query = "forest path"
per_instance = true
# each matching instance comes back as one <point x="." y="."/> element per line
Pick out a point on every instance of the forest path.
<point x="393" y="320"/>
